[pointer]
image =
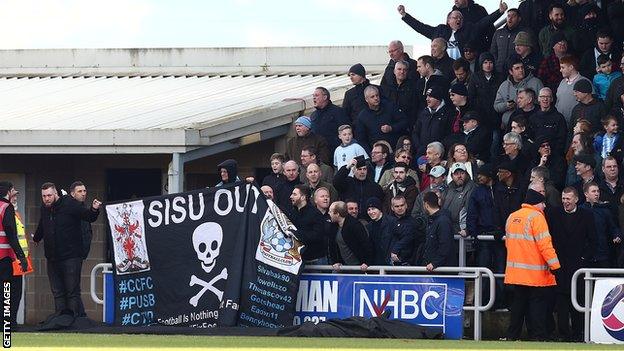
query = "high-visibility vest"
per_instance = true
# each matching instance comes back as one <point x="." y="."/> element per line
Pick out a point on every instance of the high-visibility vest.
<point x="530" y="254"/>
<point x="21" y="236"/>
<point x="5" y="247"/>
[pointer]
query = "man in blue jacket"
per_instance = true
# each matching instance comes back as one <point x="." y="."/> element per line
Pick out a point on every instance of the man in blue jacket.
<point x="403" y="233"/>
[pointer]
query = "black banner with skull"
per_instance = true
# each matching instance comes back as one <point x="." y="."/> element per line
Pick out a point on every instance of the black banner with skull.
<point x="213" y="257"/>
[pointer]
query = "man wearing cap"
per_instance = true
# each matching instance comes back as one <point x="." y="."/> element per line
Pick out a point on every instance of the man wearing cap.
<point x="327" y="117"/>
<point x="305" y="137"/>
<point x="532" y="264"/>
<point x="434" y="121"/>
<point x="607" y="232"/>
<point x="457" y="195"/>
<point x="504" y="39"/>
<point x="430" y="76"/>
<point x="549" y="69"/>
<point x="557" y="17"/>
<point x="353" y="101"/>
<point x="585" y="166"/>
<point x="588" y="107"/>
<point x="437" y="183"/>
<point x="566" y="99"/>
<point x="402" y="90"/>
<point x="528" y="52"/>
<point x="397" y="54"/>
<point x="401" y="185"/>
<point x="379" y="231"/>
<point x="379" y="120"/>
<point x="505" y="101"/>
<point x="359" y="187"/>
<point x="481" y="220"/>
<point x="476" y="137"/>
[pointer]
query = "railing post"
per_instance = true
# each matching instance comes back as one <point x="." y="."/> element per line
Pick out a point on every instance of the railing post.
<point x="477" y="304"/>
<point x="587" y="305"/>
<point x="462" y="252"/>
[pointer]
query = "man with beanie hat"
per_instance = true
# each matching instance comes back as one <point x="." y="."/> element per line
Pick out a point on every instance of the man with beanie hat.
<point x="397" y="53"/>
<point x="588" y="107"/>
<point x="353" y="101"/>
<point x="433" y="122"/>
<point x="379" y="231"/>
<point x="529" y="53"/>
<point x="305" y="137"/>
<point x="460" y="100"/>
<point x="504" y="38"/>
<point x="532" y="264"/>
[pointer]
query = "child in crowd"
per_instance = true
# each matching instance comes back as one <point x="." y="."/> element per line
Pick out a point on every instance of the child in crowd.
<point x="609" y="142"/>
<point x="349" y="149"/>
<point x="605" y="75"/>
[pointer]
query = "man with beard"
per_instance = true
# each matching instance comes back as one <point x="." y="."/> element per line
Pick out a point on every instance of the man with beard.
<point x="573" y="230"/>
<point x="400" y="155"/>
<point x="397" y="54"/>
<point x="401" y="185"/>
<point x="557" y="17"/>
<point x="309" y="223"/>
<point x="327" y="117"/>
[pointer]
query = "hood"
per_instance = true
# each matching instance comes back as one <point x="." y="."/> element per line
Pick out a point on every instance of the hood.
<point x="231" y="166"/>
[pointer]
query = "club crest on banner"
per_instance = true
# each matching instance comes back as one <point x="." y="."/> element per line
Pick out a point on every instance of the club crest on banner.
<point x="278" y="245"/>
<point x="128" y="232"/>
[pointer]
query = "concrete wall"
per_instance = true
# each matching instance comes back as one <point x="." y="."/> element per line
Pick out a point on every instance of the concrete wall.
<point x="91" y="169"/>
<point x="174" y="61"/>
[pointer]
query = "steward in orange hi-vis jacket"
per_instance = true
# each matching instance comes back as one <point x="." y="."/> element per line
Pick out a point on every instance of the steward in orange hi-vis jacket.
<point x="531" y="265"/>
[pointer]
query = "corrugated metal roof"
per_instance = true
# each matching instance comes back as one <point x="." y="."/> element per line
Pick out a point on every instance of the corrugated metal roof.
<point x="145" y="103"/>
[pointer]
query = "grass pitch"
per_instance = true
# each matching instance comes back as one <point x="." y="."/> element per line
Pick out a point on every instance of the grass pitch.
<point x="69" y="341"/>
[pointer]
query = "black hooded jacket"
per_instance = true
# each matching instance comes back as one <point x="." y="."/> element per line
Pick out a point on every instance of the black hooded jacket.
<point x="232" y="170"/>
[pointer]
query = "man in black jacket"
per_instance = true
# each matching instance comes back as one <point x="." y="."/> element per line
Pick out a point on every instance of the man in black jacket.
<point x="59" y="227"/>
<point x="379" y="120"/>
<point x="359" y="187"/>
<point x="403" y="234"/>
<point x="397" y="54"/>
<point x="380" y="232"/>
<point x="353" y="101"/>
<point x="310" y="226"/>
<point x="439" y="242"/>
<point x="402" y="91"/>
<point x="350" y="244"/>
<point x="548" y="123"/>
<point x="434" y="121"/>
<point x="327" y="118"/>
<point x="286" y="186"/>
<point x="430" y="76"/>
<point x="476" y="137"/>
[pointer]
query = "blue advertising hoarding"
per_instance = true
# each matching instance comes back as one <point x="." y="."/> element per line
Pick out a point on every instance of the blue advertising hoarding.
<point x="436" y="302"/>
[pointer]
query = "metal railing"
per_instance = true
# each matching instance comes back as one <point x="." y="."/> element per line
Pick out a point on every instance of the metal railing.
<point x="476" y="273"/>
<point x="105" y="268"/>
<point x="462" y="246"/>
<point x="590" y="274"/>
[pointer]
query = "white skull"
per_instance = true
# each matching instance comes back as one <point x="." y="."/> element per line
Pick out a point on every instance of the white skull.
<point x="207" y="240"/>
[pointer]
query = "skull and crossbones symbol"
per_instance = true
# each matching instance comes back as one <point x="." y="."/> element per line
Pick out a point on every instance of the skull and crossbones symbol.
<point x="207" y="239"/>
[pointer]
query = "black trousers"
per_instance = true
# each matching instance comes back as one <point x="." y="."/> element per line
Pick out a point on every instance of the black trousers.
<point x="566" y="313"/>
<point x="64" y="277"/>
<point x="531" y="305"/>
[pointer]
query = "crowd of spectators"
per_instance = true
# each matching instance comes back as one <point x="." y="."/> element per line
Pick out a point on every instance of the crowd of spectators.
<point x="455" y="142"/>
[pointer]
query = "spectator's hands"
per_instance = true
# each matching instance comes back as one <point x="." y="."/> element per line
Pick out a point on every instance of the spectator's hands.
<point x="622" y="96"/>
<point x="386" y="128"/>
<point x="337" y="266"/>
<point x="502" y="7"/>
<point x="430" y="267"/>
<point x="250" y="179"/>
<point x="617" y="240"/>
<point x="364" y="267"/>
<point x="352" y="164"/>
<point x="543" y="160"/>
<point x="510" y="106"/>
<point x="463" y="233"/>
<point x="401" y="10"/>
<point x="480" y="163"/>
<point x="394" y="257"/>
<point x="96" y="204"/>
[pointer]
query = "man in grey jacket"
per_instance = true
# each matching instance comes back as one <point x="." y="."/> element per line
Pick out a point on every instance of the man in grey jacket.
<point x="503" y="42"/>
<point x="505" y="101"/>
